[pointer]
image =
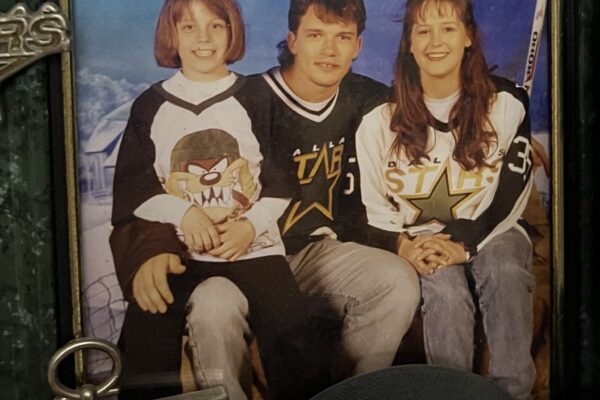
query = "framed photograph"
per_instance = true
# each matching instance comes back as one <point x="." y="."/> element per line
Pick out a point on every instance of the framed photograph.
<point x="112" y="62"/>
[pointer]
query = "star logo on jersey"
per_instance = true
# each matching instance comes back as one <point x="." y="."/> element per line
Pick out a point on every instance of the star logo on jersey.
<point x="316" y="170"/>
<point x="441" y="202"/>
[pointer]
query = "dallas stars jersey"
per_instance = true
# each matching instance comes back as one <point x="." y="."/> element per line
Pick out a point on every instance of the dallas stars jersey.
<point x="182" y="147"/>
<point x="316" y="138"/>
<point x="439" y="195"/>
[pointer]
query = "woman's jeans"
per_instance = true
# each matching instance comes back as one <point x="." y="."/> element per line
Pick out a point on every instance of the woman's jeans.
<point x="499" y="282"/>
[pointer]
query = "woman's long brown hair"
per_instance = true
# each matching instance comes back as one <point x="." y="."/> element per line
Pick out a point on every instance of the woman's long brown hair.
<point x="468" y="118"/>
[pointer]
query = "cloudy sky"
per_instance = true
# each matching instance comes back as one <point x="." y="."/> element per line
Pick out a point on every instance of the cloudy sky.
<point x="115" y="38"/>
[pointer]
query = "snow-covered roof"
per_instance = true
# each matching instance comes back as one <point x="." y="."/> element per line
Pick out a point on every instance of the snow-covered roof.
<point x="109" y="129"/>
<point x="111" y="161"/>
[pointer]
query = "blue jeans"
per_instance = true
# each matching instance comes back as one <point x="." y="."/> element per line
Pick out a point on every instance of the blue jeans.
<point x="372" y="293"/>
<point x="503" y="285"/>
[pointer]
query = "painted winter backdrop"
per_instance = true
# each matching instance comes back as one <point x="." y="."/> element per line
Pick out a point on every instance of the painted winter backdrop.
<point x="114" y="63"/>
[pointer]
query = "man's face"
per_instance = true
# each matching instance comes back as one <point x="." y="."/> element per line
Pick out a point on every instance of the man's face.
<point x="323" y="51"/>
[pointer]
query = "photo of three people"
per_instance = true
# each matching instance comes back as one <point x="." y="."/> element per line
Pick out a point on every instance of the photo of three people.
<point x="257" y="203"/>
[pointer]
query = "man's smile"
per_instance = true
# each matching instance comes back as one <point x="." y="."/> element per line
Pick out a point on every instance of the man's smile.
<point x="327" y="65"/>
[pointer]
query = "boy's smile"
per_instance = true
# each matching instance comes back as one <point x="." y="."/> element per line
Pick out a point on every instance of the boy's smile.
<point x="202" y="41"/>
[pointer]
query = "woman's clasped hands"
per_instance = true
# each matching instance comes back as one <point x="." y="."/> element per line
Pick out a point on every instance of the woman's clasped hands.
<point x="428" y="254"/>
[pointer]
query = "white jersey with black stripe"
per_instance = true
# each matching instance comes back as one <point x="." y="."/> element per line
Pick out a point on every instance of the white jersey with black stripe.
<point x="439" y="195"/>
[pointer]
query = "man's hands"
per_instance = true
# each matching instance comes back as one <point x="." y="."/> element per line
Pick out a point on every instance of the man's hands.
<point x="236" y="236"/>
<point x="230" y="240"/>
<point x="429" y="253"/>
<point x="150" y="288"/>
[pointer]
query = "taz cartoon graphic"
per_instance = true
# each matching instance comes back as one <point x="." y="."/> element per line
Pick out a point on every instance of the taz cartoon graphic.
<point x="207" y="169"/>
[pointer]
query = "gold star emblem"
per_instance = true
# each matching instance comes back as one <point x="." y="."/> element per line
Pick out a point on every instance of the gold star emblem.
<point x="313" y="197"/>
<point x="441" y="202"/>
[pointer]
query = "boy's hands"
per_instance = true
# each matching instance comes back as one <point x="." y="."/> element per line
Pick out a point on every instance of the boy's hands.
<point x="236" y="236"/>
<point x="202" y="232"/>
<point x="199" y="232"/>
<point x="150" y="288"/>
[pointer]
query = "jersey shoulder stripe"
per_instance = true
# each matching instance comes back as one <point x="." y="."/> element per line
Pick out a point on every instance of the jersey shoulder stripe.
<point x="506" y="85"/>
<point x="199" y="108"/>
<point x="289" y="99"/>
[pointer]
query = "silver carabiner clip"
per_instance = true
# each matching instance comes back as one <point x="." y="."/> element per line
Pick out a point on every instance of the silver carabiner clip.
<point x="86" y="391"/>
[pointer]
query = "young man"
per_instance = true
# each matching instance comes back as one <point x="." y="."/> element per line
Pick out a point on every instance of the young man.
<point x="311" y="107"/>
<point x="307" y="111"/>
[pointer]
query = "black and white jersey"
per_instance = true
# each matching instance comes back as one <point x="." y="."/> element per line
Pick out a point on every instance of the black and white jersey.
<point x="319" y="140"/>
<point x="439" y="195"/>
<point x="194" y="144"/>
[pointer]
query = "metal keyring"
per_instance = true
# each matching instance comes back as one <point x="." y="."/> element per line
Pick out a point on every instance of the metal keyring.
<point x="86" y="391"/>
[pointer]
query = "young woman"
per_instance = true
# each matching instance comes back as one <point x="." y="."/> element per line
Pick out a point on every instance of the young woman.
<point x="445" y="174"/>
<point x="196" y="202"/>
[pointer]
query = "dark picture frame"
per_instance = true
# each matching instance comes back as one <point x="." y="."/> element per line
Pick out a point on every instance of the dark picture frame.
<point x="79" y="189"/>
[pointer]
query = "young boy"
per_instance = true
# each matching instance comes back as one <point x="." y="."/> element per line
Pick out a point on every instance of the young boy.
<point x="191" y="159"/>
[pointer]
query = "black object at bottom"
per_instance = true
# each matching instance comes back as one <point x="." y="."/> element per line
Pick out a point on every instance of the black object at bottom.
<point x="215" y="393"/>
<point x="415" y="382"/>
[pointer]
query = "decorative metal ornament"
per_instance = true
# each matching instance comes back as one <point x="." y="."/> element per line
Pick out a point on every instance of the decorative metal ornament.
<point x="86" y="391"/>
<point x="26" y="37"/>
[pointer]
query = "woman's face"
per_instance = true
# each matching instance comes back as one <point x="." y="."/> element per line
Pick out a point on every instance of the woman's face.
<point x="438" y="40"/>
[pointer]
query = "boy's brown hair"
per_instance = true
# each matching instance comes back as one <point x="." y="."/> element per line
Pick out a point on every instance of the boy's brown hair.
<point x="165" y="39"/>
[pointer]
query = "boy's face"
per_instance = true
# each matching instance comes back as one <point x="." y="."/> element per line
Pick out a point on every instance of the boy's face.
<point x="202" y="41"/>
<point x="323" y="51"/>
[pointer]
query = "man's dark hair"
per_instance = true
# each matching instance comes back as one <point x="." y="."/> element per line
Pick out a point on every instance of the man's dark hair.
<point x="327" y="10"/>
